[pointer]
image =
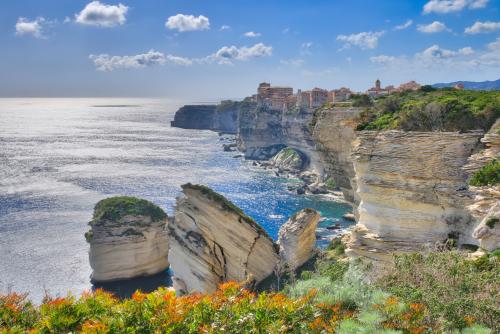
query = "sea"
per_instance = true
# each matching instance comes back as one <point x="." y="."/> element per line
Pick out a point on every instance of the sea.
<point x="59" y="157"/>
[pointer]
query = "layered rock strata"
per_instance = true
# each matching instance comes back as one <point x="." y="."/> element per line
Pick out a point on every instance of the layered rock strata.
<point x="334" y="134"/>
<point x="412" y="191"/>
<point x="212" y="241"/>
<point x="128" y="238"/>
<point x="289" y="160"/>
<point x="297" y="238"/>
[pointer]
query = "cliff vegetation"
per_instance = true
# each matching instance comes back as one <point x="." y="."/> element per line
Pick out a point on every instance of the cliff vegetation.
<point x="439" y="293"/>
<point x="113" y="208"/>
<point x="434" y="110"/>
<point x="489" y="175"/>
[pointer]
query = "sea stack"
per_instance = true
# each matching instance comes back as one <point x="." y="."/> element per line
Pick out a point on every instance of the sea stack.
<point x="128" y="238"/>
<point x="297" y="238"/>
<point x="212" y="241"/>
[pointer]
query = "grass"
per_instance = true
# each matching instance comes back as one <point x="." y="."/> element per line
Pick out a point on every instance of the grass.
<point x="113" y="208"/>
<point x="489" y="175"/>
<point x="436" y="110"/>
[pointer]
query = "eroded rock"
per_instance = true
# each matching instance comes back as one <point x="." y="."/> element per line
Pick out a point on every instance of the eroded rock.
<point x="213" y="241"/>
<point x="297" y="238"/>
<point x="128" y="238"/>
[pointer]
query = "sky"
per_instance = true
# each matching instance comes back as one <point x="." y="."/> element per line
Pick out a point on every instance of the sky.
<point x="211" y="49"/>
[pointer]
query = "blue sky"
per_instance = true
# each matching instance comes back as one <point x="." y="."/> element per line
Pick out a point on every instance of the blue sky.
<point x="209" y="49"/>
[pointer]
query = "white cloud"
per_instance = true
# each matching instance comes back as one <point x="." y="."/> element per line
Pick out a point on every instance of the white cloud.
<point x="482" y="27"/>
<point x="102" y="15"/>
<point x="184" y="23"/>
<point x="467" y="51"/>
<point x="404" y="26"/>
<point x="224" y="27"/>
<point x="67" y="19"/>
<point x="383" y="59"/>
<point x="33" y="28"/>
<point x="450" y="6"/>
<point x="105" y="62"/>
<point x="363" y="40"/>
<point x="492" y="56"/>
<point x="226" y="54"/>
<point x="433" y="27"/>
<point x="252" y="34"/>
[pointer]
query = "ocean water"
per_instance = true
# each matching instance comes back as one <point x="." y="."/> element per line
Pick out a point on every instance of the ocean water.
<point x="58" y="157"/>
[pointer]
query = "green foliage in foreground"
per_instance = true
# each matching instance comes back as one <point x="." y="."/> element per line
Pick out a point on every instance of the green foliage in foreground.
<point x="439" y="110"/>
<point x="489" y="175"/>
<point x="114" y="208"/>
<point x="455" y="289"/>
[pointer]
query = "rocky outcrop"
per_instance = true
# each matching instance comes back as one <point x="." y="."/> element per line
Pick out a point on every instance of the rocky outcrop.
<point x="334" y="134"/>
<point x="128" y="238"/>
<point x="297" y="238"/>
<point x="213" y="241"/>
<point x="221" y="118"/>
<point x="412" y="190"/>
<point x="289" y="160"/>
<point x="485" y="207"/>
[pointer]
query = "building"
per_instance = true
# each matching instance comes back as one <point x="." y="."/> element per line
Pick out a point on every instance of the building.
<point x="377" y="90"/>
<point x="318" y="97"/>
<point x="274" y="98"/>
<point x="339" y="95"/>
<point x="409" y="86"/>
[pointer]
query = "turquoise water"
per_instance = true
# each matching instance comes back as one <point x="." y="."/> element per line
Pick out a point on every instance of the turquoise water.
<point x="58" y="157"/>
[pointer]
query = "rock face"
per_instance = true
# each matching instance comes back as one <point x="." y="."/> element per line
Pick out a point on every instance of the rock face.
<point x="485" y="207"/>
<point x="412" y="191"/>
<point x="212" y="241"/>
<point x="334" y="134"/>
<point x="128" y="238"/>
<point x="222" y="117"/>
<point x="297" y="238"/>
<point x="289" y="160"/>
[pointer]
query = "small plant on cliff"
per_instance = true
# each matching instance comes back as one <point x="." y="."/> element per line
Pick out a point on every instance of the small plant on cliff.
<point x="330" y="183"/>
<point x="114" y="208"/>
<point x="489" y="175"/>
<point x="458" y="291"/>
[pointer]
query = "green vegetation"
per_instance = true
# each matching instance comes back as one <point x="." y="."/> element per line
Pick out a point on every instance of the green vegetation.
<point x="361" y="100"/>
<point x="113" y="208"/>
<point x="330" y="183"/>
<point x="455" y="289"/>
<point x="492" y="221"/>
<point x="489" y="175"/>
<point x="431" y="110"/>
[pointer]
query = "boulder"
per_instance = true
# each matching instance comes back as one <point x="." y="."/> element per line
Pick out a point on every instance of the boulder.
<point x="128" y="238"/>
<point x="212" y="241"/>
<point x="289" y="160"/>
<point x="297" y="238"/>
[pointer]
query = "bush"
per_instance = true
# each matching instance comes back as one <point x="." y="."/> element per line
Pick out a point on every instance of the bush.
<point x="433" y="110"/>
<point x="489" y="175"/>
<point x="114" y="208"/>
<point x="457" y="291"/>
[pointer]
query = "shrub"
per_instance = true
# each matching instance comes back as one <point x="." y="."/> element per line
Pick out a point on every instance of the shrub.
<point x="489" y="175"/>
<point x="330" y="183"/>
<point x="114" y="208"/>
<point x="457" y="291"/>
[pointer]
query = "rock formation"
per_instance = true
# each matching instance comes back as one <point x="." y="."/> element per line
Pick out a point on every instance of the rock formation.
<point x="412" y="191"/>
<point x="334" y="133"/>
<point x="213" y="241"/>
<point x="297" y="238"/>
<point x="289" y="160"/>
<point x="128" y="238"/>
<point x="222" y="117"/>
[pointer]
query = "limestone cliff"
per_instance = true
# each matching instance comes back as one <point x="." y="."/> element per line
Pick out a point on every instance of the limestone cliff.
<point x="221" y="118"/>
<point x="213" y="241"/>
<point x="128" y="238"/>
<point x="334" y="134"/>
<point x="297" y="238"/>
<point x="412" y="191"/>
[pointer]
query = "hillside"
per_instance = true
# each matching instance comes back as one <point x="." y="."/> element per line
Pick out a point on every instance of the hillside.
<point x="472" y="85"/>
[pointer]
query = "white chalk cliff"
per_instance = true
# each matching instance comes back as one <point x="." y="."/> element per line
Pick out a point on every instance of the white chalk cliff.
<point x="129" y="246"/>
<point x="212" y="241"/>
<point x="297" y="238"/>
